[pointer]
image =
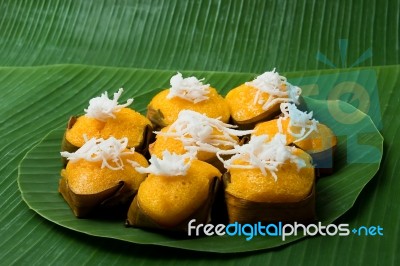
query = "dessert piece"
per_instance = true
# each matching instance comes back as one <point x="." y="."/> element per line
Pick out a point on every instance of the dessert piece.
<point x="177" y="189"/>
<point x="304" y="132"/>
<point x="199" y="134"/>
<point x="259" y="99"/>
<point x="186" y="94"/>
<point x="100" y="177"/>
<point x="104" y="118"/>
<point x="269" y="182"/>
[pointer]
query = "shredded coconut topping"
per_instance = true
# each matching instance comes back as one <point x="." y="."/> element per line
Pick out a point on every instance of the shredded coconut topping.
<point x="267" y="156"/>
<point x="198" y="132"/>
<point x="108" y="151"/>
<point x="298" y="119"/>
<point x="190" y="89"/>
<point x="169" y="165"/>
<point x="102" y="108"/>
<point x="277" y="87"/>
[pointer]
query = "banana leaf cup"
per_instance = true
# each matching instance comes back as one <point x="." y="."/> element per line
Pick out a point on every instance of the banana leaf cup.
<point x="203" y="215"/>
<point x="324" y="160"/>
<point x="244" y="113"/>
<point x="248" y="124"/>
<point x="111" y="202"/>
<point x="249" y="104"/>
<point x="156" y="117"/>
<point x="246" y="211"/>
<point x="93" y="191"/>
<point x="283" y="191"/>
<point x="168" y="203"/>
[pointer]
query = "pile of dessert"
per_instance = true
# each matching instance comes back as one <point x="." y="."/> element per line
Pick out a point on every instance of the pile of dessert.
<point x="251" y="156"/>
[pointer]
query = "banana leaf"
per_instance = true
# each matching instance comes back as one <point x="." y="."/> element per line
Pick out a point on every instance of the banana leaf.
<point x="355" y="165"/>
<point x="222" y="35"/>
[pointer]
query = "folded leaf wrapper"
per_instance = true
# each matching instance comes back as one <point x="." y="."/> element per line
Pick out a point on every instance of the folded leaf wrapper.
<point x="324" y="161"/>
<point x="245" y="211"/>
<point x="111" y="202"/>
<point x="138" y="218"/>
<point x="156" y="117"/>
<point x="65" y="144"/>
<point x="251" y="123"/>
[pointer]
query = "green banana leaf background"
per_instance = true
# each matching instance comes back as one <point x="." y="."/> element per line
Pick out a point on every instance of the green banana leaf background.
<point x="357" y="40"/>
